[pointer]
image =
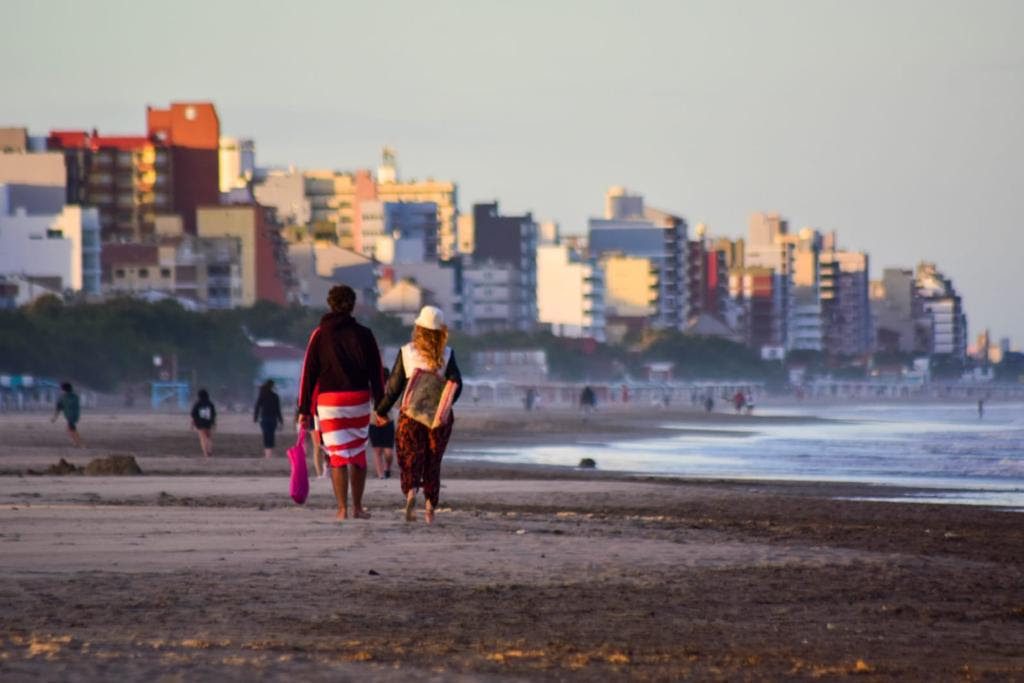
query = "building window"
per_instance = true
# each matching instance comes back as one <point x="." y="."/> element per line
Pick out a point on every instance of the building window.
<point x="165" y="272"/>
<point x="143" y="272"/>
<point x="119" y="272"/>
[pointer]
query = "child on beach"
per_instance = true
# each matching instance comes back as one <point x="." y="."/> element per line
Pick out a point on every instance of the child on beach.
<point x="382" y="439"/>
<point x="69" y="404"/>
<point x="204" y="417"/>
<point x="420" y="448"/>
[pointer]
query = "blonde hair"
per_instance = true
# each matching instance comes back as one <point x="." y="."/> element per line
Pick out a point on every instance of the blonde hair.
<point x="430" y="345"/>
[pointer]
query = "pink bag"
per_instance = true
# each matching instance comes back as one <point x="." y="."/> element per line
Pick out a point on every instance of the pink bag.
<point x="299" y="486"/>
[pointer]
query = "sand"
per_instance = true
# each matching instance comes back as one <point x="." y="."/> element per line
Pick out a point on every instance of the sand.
<point x="205" y="569"/>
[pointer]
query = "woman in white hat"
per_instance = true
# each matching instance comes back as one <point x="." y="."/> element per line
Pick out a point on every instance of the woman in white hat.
<point x="420" y="448"/>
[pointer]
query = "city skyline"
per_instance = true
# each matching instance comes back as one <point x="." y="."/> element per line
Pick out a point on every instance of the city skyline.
<point x="894" y="125"/>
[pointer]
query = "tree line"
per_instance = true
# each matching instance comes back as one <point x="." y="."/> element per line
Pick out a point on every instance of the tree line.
<point x="108" y="346"/>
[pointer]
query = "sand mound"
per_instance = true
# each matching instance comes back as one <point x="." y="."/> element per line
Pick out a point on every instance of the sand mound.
<point x="113" y="465"/>
<point x="61" y="468"/>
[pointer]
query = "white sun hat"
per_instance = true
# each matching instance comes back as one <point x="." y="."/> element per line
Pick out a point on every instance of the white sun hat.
<point x="430" y="317"/>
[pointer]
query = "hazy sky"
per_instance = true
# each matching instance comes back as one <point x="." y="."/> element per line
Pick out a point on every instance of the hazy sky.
<point x="900" y="124"/>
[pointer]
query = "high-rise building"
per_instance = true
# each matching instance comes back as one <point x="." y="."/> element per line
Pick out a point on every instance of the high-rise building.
<point x="265" y="269"/>
<point x="237" y="161"/>
<point x="132" y="179"/>
<point x="284" y="191"/>
<point x="845" y="305"/>
<point x="56" y="245"/>
<point x="707" y="277"/>
<point x="941" y="303"/>
<point x="900" y="323"/>
<point x="634" y="230"/>
<point x="805" y="323"/>
<point x="759" y="291"/>
<point x="335" y="198"/>
<point x="570" y="292"/>
<point x="509" y="241"/>
<point x="494" y="299"/>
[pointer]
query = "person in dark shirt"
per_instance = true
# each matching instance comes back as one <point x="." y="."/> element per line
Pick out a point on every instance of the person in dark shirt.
<point x="342" y="367"/>
<point x="267" y="413"/>
<point x="204" y="418"/>
<point x="69" y="404"/>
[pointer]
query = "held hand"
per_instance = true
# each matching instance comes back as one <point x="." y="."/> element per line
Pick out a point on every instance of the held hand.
<point x="380" y="420"/>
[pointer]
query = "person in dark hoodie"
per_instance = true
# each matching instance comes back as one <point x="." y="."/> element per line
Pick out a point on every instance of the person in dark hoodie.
<point x="267" y="412"/>
<point x="342" y="367"/>
<point x="204" y="418"/>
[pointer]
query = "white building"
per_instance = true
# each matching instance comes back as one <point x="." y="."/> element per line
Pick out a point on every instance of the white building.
<point x="493" y="299"/>
<point x="570" y="293"/>
<point x="237" y="160"/>
<point x="62" y="248"/>
<point x="285" y="192"/>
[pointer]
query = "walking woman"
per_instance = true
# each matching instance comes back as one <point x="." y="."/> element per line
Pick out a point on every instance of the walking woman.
<point x="204" y="418"/>
<point x="420" y="448"/>
<point x="268" y="413"/>
<point x="342" y="367"/>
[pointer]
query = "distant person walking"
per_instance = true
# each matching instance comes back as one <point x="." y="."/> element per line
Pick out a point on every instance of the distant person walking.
<point x="981" y="408"/>
<point x="204" y="418"/>
<point x="420" y="448"/>
<point x="738" y="401"/>
<point x="267" y="412"/>
<point x="342" y="366"/>
<point x="69" y="404"/>
<point x="588" y="400"/>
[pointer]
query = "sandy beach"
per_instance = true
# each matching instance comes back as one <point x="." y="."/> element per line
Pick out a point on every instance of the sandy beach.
<point x="203" y="569"/>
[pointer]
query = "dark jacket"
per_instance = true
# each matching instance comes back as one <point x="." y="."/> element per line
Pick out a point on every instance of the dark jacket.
<point x="342" y="355"/>
<point x="397" y="381"/>
<point x="268" y="409"/>
<point x="204" y="415"/>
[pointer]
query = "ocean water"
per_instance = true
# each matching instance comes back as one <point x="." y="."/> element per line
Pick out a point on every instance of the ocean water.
<point x="944" y="450"/>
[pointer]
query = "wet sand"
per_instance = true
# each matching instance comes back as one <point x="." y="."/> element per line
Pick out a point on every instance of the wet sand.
<point x="205" y="569"/>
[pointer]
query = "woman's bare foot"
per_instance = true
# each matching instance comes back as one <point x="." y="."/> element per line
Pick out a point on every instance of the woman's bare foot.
<point x="410" y="507"/>
<point x="361" y="513"/>
<point x="428" y="513"/>
<point x="342" y="514"/>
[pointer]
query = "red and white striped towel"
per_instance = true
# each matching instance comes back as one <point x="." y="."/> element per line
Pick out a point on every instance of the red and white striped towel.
<point x="344" y="418"/>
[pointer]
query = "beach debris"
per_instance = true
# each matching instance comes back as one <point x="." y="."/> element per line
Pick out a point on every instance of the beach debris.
<point x="113" y="465"/>
<point x="588" y="463"/>
<point x="373" y="572"/>
<point x="520" y="532"/>
<point x="61" y="468"/>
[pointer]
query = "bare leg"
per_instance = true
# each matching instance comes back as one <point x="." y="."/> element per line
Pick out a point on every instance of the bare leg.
<point x="339" y="478"/>
<point x="268" y="452"/>
<point x="318" y="455"/>
<point x="428" y="512"/>
<point x="204" y="443"/>
<point x="410" y="506"/>
<point x="378" y="462"/>
<point x="388" y="457"/>
<point x="358" y="486"/>
<point x="75" y="439"/>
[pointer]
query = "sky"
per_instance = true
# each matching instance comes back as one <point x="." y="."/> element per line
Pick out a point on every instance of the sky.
<point x="897" y="123"/>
